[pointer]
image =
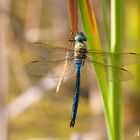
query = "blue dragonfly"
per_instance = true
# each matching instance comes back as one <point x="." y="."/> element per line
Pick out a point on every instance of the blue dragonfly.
<point x="54" y="58"/>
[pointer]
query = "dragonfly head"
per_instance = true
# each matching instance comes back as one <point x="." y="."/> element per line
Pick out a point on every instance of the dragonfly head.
<point x="80" y="37"/>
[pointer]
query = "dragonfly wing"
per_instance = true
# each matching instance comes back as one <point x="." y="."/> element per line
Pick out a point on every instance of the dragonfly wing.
<point x="48" y="52"/>
<point x="105" y="72"/>
<point x="118" y="59"/>
<point x="52" y="69"/>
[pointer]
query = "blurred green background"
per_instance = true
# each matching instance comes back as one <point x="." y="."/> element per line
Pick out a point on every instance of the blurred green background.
<point x="42" y="115"/>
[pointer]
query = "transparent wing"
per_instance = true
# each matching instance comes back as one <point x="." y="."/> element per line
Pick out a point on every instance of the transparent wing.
<point x="49" y="52"/>
<point x="105" y="72"/>
<point x="57" y="53"/>
<point x="52" y="69"/>
<point x="122" y="59"/>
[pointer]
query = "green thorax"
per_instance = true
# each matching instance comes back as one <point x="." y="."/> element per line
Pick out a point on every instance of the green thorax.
<point x="79" y="45"/>
<point x="80" y="50"/>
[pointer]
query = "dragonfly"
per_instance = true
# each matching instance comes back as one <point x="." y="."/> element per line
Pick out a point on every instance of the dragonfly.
<point x="78" y="56"/>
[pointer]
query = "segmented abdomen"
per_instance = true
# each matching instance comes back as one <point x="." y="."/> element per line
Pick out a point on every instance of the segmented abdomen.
<point x="77" y="90"/>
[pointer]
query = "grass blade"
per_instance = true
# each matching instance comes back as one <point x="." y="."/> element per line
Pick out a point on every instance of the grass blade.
<point x="73" y="14"/>
<point x="91" y="30"/>
<point x="116" y="102"/>
<point x="106" y="24"/>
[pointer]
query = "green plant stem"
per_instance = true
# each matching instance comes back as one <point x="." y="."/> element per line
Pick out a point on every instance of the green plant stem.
<point x="94" y="42"/>
<point x="116" y="97"/>
<point x="106" y="24"/>
<point x="137" y="77"/>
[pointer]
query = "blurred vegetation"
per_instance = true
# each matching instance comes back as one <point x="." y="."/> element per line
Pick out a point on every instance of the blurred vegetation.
<point x="50" y="116"/>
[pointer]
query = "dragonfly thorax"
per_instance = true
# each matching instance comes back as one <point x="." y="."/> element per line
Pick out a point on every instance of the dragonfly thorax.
<point x="80" y="50"/>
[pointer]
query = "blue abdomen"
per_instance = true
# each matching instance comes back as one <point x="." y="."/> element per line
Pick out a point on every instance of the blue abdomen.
<point x="77" y="90"/>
